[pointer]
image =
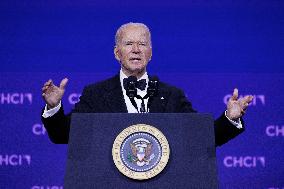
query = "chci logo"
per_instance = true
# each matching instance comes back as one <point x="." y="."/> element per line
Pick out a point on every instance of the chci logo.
<point x="140" y="151"/>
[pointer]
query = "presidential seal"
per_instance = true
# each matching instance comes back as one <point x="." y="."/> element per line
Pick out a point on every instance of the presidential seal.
<point x="140" y="152"/>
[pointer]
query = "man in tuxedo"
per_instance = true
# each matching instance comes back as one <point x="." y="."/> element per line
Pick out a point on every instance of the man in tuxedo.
<point x="133" y="50"/>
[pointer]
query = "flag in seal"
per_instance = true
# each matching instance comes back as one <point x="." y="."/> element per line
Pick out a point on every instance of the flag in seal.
<point x="140" y="151"/>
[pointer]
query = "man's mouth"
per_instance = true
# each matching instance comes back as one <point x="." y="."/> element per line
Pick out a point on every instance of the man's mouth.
<point x="135" y="58"/>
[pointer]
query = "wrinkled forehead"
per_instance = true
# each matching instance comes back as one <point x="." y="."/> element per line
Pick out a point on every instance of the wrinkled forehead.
<point x="134" y="33"/>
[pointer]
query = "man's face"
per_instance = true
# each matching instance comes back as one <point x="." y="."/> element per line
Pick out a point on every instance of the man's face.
<point x="133" y="50"/>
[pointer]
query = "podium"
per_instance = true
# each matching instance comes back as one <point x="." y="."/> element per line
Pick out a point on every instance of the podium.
<point x="192" y="160"/>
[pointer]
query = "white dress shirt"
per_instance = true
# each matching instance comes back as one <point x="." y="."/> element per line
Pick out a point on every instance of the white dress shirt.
<point x="130" y="107"/>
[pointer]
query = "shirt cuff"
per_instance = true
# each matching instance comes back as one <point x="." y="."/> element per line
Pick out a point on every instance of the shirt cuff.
<point x="237" y="123"/>
<point x="51" y="112"/>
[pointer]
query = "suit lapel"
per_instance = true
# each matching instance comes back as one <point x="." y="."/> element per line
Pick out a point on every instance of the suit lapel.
<point x="114" y="96"/>
<point x="159" y="103"/>
<point x="116" y="102"/>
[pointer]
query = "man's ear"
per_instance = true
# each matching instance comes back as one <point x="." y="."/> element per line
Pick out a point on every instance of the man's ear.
<point x="150" y="56"/>
<point x="116" y="53"/>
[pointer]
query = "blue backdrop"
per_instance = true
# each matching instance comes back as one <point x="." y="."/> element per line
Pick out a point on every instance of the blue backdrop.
<point x="205" y="48"/>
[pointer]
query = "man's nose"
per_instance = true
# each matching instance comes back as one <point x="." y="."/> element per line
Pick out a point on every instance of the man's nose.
<point x="135" y="48"/>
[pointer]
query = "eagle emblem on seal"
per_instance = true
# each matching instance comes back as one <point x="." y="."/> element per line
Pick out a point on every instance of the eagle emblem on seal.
<point x="141" y="152"/>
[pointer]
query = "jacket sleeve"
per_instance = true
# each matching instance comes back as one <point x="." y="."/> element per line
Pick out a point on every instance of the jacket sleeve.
<point x="224" y="130"/>
<point x="58" y="125"/>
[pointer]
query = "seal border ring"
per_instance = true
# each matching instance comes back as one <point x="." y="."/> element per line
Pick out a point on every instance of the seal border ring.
<point x="138" y="128"/>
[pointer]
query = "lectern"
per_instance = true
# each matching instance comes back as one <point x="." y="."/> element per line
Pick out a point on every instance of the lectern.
<point x="191" y="162"/>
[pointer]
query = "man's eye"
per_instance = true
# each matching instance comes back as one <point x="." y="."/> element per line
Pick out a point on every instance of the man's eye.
<point x="128" y="43"/>
<point x="142" y="44"/>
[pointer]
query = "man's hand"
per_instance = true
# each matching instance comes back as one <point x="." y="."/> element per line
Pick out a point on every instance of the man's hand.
<point x="236" y="108"/>
<point x="53" y="94"/>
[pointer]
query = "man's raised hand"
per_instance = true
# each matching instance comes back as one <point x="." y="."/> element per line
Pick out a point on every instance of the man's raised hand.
<point x="236" y="108"/>
<point x="52" y="94"/>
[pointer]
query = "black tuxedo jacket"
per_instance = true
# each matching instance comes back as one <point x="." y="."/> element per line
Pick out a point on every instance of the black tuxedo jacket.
<point x="107" y="97"/>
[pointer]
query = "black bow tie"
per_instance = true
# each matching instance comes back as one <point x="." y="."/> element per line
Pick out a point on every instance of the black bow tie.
<point x="141" y="84"/>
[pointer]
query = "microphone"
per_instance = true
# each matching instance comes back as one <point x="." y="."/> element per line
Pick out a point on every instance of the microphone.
<point x="153" y="90"/>
<point x="153" y="87"/>
<point x="131" y="90"/>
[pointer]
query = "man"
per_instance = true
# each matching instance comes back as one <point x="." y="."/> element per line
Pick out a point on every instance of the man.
<point x="133" y="50"/>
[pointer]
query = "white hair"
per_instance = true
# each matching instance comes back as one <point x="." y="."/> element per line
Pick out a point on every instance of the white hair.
<point x="122" y="27"/>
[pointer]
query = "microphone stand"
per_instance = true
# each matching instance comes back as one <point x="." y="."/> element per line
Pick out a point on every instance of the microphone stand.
<point x="152" y="90"/>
